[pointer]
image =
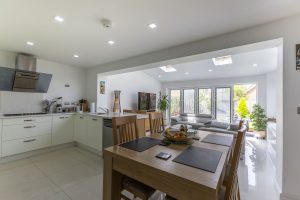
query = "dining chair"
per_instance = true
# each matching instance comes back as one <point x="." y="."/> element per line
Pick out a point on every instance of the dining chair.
<point x="156" y="122"/>
<point x="232" y="191"/>
<point x="125" y="130"/>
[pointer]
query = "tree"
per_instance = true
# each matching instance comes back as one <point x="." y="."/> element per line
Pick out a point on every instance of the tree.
<point x="242" y="109"/>
<point x="259" y="118"/>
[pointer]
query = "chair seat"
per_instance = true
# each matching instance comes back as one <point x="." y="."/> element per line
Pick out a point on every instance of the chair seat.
<point x="137" y="188"/>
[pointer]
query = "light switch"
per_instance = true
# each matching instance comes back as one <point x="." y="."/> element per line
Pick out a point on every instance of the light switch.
<point x="298" y="110"/>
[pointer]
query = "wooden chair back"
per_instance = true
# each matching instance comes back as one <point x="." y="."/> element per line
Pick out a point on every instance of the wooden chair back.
<point x="156" y="122"/>
<point x="232" y="186"/>
<point x="124" y="129"/>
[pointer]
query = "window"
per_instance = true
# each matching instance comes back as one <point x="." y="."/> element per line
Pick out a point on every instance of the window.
<point x="175" y="102"/>
<point x="223" y="104"/>
<point x="189" y="101"/>
<point x="204" y="99"/>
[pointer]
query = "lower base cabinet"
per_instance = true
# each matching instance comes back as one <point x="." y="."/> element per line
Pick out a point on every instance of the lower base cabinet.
<point x="26" y="144"/>
<point x="62" y="129"/>
<point x="88" y="131"/>
<point x="94" y="132"/>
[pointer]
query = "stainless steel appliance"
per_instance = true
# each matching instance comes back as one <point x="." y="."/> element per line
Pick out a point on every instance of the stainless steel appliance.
<point x="107" y="140"/>
<point x="23" y="114"/>
<point x="24" y="78"/>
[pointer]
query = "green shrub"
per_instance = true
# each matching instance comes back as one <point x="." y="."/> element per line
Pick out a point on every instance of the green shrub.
<point x="242" y="108"/>
<point x="259" y="118"/>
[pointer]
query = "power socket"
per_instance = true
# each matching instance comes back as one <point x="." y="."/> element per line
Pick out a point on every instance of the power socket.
<point x="298" y="110"/>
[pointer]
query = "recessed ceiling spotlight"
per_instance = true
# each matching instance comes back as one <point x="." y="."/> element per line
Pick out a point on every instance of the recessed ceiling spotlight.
<point x="111" y="42"/>
<point x="210" y="70"/>
<point x="186" y="73"/>
<point x="29" y="43"/>
<point x="152" y="26"/>
<point x="159" y="76"/>
<point x="254" y="65"/>
<point x="223" y="60"/>
<point x="76" y="56"/>
<point x="58" y="19"/>
<point x="168" y="68"/>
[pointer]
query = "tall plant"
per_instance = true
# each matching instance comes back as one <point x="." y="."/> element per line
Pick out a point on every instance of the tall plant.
<point x="163" y="103"/>
<point x="242" y="108"/>
<point x="259" y="118"/>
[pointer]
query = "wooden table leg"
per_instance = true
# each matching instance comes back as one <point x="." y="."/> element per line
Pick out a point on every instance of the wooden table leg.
<point x="112" y="180"/>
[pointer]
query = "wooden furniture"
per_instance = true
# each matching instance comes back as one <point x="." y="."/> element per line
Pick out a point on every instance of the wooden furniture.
<point x="142" y="112"/>
<point x="232" y="185"/>
<point x="124" y="130"/>
<point x="177" y="180"/>
<point x="156" y="122"/>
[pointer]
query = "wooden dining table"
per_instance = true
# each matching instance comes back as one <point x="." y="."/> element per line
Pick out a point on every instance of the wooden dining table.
<point x="177" y="180"/>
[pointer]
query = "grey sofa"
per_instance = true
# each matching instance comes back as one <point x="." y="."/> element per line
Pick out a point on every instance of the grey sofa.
<point x="195" y="120"/>
<point x="221" y="127"/>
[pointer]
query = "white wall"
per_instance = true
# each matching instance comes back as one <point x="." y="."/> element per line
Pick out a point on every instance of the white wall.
<point x="288" y="81"/>
<point x="130" y="84"/>
<point x="271" y="90"/>
<point x="259" y="80"/>
<point x="15" y="102"/>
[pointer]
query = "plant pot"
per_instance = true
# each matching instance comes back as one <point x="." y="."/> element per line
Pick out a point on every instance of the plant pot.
<point x="261" y="134"/>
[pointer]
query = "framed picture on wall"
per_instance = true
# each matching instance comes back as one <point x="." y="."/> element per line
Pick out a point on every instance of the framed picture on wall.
<point x="298" y="57"/>
<point x="102" y="87"/>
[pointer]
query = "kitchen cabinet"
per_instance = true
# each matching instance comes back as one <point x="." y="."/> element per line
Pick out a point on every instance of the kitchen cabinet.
<point x="25" y="134"/>
<point x="81" y="129"/>
<point x="62" y="129"/>
<point x="94" y="132"/>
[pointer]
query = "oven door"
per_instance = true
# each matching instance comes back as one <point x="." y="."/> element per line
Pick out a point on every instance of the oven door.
<point x="25" y="81"/>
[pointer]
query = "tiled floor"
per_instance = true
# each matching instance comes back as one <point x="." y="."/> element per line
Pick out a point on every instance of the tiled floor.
<point x="255" y="172"/>
<point x="60" y="175"/>
<point x="75" y="174"/>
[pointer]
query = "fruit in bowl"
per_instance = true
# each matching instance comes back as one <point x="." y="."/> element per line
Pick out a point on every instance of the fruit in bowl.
<point x="176" y="136"/>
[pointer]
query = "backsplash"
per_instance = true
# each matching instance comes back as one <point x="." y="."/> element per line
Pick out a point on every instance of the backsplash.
<point x="19" y="102"/>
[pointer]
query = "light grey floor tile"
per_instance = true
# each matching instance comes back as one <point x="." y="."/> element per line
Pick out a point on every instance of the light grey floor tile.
<point x="73" y="175"/>
<point x="90" y="188"/>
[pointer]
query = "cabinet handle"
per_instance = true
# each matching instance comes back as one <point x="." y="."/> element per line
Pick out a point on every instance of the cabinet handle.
<point x="28" y="120"/>
<point x="66" y="117"/>
<point x="29" y="126"/>
<point x="95" y="119"/>
<point x="81" y="117"/>
<point x="32" y="140"/>
<point x="61" y="117"/>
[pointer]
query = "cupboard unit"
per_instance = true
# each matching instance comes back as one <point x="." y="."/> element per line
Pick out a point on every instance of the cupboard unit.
<point x="62" y="129"/>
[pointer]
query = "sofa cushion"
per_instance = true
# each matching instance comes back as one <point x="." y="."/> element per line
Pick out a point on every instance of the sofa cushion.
<point x="217" y="124"/>
<point x="233" y="126"/>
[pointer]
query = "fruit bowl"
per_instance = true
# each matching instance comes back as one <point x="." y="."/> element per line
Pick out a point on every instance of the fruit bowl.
<point x="176" y="136"/>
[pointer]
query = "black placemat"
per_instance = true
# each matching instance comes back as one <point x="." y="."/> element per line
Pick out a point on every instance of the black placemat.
<point x="141" y="144"/>
<point x="218" y="139"/>
<point x="201" y="158"/>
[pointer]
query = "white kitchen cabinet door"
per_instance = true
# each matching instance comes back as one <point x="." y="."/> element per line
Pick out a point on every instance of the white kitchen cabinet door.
<point x="62" y="129"/>
<point x="94" y="130"/>
<point x="81" y="135"/>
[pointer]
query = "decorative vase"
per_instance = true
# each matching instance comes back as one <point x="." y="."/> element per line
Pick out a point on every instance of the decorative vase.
<point x="117" y="103"/>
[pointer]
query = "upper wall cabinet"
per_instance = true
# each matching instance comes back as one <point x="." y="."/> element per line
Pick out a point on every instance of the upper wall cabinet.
<point x="7" y="76"/>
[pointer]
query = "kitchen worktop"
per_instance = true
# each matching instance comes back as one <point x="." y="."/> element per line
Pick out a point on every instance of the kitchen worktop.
<point x="104" y="115"/>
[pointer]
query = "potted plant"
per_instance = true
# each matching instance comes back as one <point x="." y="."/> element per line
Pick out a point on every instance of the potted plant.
<point x="242" y="108"/>
<point x="259" y="120"/>
<point x="163" y="103"/>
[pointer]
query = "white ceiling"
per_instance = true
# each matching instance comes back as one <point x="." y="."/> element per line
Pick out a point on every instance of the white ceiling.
<point x="266" y="60"/>
<point x="81" y="33"/>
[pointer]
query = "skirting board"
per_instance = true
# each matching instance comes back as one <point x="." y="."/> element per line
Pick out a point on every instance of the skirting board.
<point x="35" y="152"/>
<point x="284" y="196"/>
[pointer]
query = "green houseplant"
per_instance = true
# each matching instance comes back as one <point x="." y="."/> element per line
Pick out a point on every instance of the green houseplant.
<point x="163" y="103"/>
<point x="258" y="118"/>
